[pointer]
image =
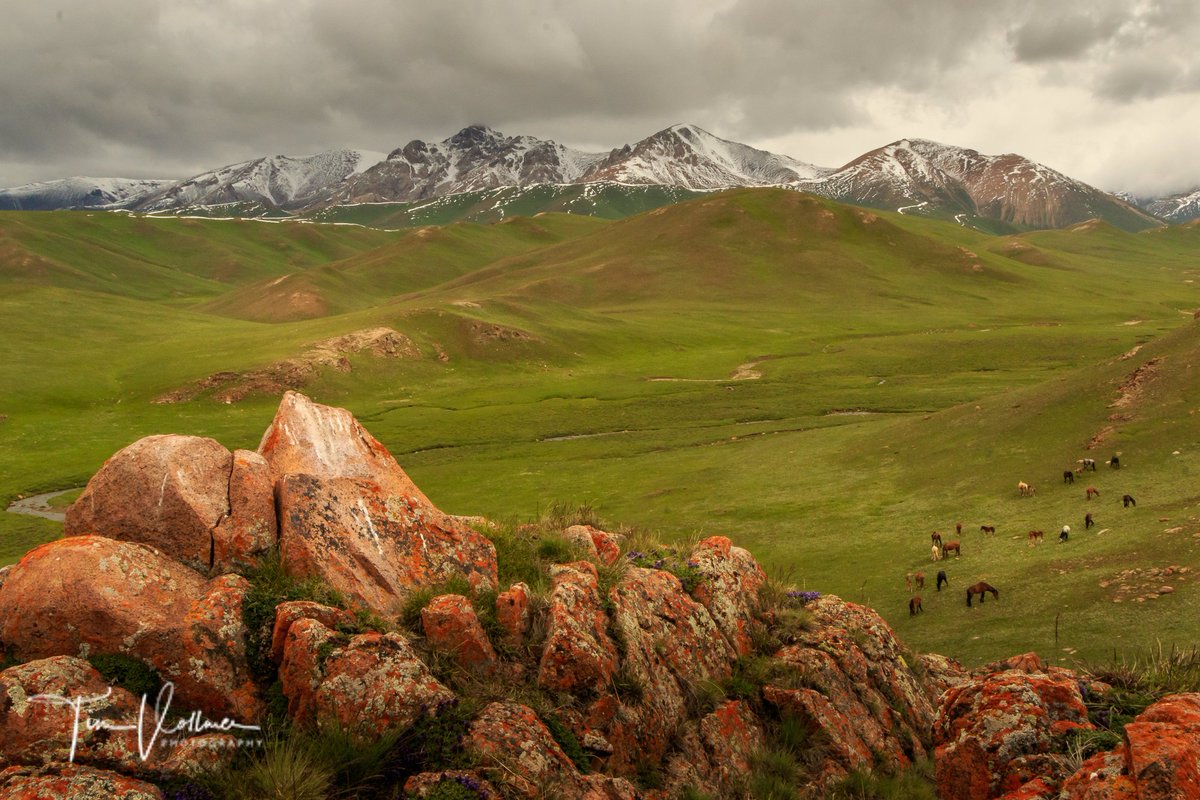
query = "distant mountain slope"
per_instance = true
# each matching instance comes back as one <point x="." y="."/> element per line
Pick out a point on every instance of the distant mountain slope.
<point x="927" y="177"/>
<point x="1181" y="207"/>
<point x="600" y="199"/>
<point x="276" y="180"/>
<point x="79" y="192"/>
<point x="475" y="158"/>
<point x="482" y="174"/>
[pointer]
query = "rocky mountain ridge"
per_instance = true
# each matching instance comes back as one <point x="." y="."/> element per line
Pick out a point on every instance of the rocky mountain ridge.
<point x="628" y="674"/>
<point x="913" y="175"/>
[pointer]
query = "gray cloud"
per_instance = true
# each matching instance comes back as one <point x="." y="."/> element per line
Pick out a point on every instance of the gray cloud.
<point x="146" y="88"/>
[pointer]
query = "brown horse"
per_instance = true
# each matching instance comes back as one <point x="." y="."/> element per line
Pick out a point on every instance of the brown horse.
<point x="958" y="528"/>
<point x="1092" y="491"/>
<point x="980" y="589"/>
<point x="1035" y="537"/>
<point x="1128" y="501"/>
<point x="936" y="538"/>
<point x="1088" y="521"/>
<point x="987" y="528"/>
<point x="914" y="606"/>
<point x="941" y="578"/>
<point x="955" y="546"/>
<point x="1068" y="476"/>
<point x="919" y="579"/>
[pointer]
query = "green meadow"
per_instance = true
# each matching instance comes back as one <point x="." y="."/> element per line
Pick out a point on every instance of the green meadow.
<point x="825" y="385"/>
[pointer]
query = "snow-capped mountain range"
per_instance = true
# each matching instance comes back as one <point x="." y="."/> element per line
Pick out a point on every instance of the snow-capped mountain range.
<point x="911" y="175"/>
<point x="77" y="193"/>
<point x="1182" y="207"/>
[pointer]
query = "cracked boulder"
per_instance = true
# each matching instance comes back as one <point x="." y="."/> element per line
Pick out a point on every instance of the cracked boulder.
<point x="167" y="491"/>
<point x="348" y="513"/>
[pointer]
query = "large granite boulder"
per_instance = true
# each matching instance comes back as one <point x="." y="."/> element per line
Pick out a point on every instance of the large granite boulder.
<point x="166" y="491"/>
<point x="91" y="595"/>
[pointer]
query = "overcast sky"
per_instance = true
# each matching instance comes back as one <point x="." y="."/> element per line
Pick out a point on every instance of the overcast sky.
<point x="1107" y="91"/>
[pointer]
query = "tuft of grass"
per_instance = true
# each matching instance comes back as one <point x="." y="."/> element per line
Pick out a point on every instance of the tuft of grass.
<point x="913" y="783"/>
<point x="270" y="585"/>
<point x="775" y="774"/>
<point x="285" y="767"/>
<point x="567" y="741"/>
<point x="1137" y="681"/>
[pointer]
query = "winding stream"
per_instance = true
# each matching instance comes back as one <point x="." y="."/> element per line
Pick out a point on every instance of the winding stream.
<point x="39" y="505"/>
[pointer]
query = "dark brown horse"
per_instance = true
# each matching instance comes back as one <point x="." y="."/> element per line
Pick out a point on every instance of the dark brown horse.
<point x="941" y="578"/>
<point x="987" y="528"/>
<point x="958" y="528"/>
<point x="914" y="606"/>
<point x="1068" y="476"/>
<point x="955" y="546"/>
<point x="980" y="589"/>
<point x="1088" y="521"/>
<point x="1035" y="537"/>
<point x="936" y="538"/>
<point x="1128" y="501"/>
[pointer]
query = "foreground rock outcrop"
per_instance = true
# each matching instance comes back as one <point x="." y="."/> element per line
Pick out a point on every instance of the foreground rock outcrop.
<point x="631" y="677"/>
<point x="88" y="595"/>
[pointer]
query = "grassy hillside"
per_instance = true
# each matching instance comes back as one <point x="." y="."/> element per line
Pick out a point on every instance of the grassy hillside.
<point x="824" y="384"/>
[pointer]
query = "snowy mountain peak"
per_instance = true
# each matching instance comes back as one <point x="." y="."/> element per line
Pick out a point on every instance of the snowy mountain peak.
<point x="686" y="155"/>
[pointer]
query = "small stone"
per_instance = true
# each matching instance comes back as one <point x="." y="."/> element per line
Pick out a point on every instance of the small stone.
<point x="1166" y="589"/>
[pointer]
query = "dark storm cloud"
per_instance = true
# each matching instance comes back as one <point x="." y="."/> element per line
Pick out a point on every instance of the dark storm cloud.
<point x="154" y="88"/>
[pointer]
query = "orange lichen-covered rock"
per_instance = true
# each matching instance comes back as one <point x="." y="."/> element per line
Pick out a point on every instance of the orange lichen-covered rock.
<point x="250" y="530"/>
<point x="671" y="644"/>
<point x="523" y="757"/>
<point x="874" y="700"/>
<point x="730" y="735"/>
<point x="729" y="589"/>
<point x="72" y="782"/>
<point x="1101" y="777"/>
<point x="845" y="749"/>
<point x="366" y="684"/>
<point x="578" y="655"/>
<point x="372" y="546"/>
<point x="87" y="595"/>
<point x="451" y="625"/>
<point x="1162" y="748"/>
<point x="286" y="614"/>
<point x="38" y="722"/>
<point x="603" y="546"/>
<point x="995" y="732"/>
<point x="167" y="491"/>
<point x="308" y="438"/>
<point x="512" y="611"/>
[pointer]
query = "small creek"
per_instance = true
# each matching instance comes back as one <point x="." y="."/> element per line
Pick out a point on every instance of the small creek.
<point x="39" y="505"/>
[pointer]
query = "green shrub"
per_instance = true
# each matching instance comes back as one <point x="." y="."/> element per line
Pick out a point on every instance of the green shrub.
<point x="129" y="673"/>
<point x="567" y="741"/>
<point x="912" y="783"/>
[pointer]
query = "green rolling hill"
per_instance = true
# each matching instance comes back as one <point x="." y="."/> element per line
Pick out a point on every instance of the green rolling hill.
<point x="825" y="384"/>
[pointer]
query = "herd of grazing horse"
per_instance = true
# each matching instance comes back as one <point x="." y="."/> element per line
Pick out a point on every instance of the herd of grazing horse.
<point x="939" y="549"/>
